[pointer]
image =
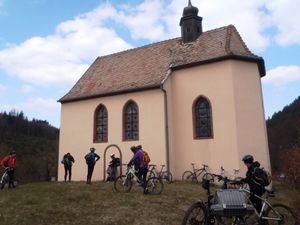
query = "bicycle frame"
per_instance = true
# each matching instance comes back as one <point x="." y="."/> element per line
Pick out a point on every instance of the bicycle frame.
<point x="264" y="205"/>
<point x="131" y="174"/>
<point x="4" y="177"/>
<point x="198" y="172"/>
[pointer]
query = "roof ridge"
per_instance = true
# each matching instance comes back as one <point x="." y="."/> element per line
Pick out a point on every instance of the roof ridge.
<point x="155" y="43"/>
<point x="228" y="39"/>
<point x="233" y="29"/>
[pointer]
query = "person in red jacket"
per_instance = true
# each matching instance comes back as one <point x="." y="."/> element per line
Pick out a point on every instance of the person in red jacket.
<point x="9" y="161"/>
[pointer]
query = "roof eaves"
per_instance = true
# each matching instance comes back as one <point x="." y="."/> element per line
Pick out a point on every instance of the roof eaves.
<point x="259" y="60"/>
<point x="118" y="92"/>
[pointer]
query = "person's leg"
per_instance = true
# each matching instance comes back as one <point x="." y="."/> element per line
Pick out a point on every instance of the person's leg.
<point x="70" y="173"/>
<point x="113" y="173"/>
<point x="11" y="178"/>
<point x="90" y="173"/>
<point x="144" y="178"/>
<point x="66" y="172"/>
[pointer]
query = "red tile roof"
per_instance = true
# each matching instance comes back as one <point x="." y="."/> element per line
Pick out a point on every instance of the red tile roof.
<point x="146" y="67"/>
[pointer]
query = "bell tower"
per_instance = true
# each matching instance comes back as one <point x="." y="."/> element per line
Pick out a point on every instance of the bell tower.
<point x="191" y="23"/>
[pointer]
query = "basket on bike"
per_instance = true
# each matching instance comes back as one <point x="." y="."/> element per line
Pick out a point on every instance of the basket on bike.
<point x="231" y="202"/>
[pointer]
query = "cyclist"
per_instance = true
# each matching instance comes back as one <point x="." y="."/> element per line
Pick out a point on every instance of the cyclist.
<point x="252" y="174"/>
<point x="137" y="161"/>
<point x="68" y="161"/>
<point x="9" y="161"/>
<point x="91" y="158"/>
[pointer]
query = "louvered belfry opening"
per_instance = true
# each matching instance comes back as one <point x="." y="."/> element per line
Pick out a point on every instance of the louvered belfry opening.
<point x="191" y="23"/>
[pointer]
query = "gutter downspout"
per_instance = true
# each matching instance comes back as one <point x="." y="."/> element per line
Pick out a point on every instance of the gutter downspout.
<point x="167" y="141"/>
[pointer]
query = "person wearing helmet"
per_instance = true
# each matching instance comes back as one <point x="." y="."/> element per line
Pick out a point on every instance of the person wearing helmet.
<point x="112" y="168"/>
<point x="137" y="161"/>
<point x="9" y="161"/>
<point x="253" y="171"/>
<point x="91" y="158"/>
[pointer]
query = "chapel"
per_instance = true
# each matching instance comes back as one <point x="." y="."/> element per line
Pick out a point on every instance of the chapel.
<point x="191" y="99"/>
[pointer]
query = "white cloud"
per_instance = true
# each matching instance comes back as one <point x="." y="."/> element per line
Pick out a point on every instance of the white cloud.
<point x="144" y="20"/>
<point x="281" y="76"/>
<point x="45" y="106"/>
<point x="61" y="58"/>
<point x="285" y="16"/>
<point x="35" y="107"/>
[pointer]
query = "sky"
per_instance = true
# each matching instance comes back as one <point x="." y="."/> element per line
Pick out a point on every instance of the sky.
<point x="47" y="45"/>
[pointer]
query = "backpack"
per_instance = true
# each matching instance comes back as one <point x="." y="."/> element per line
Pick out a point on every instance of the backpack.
<point x="89" y="158"/>
<point x="146" y="158"/>
<point x="262" y="176"/>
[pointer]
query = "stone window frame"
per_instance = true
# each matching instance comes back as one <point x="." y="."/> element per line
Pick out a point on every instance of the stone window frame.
<point x="103" y="123"/>
<point x="134" y="122"/>
<point x="196" y="132"/>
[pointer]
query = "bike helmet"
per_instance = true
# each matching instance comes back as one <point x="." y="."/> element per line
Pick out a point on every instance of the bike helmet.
<point x="112" y="155"/>
<point x="92" y="149"/>
<point x="139" y="147"/>
<point x="248" y="159"/>
<point x="133" y="148"/>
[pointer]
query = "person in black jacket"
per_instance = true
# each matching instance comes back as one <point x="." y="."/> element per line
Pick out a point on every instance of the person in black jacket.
<point x="112" y="167"/>
<point x="253" y="174"/>
<point x="68" y="161"/>
<point x="91" y="158"/>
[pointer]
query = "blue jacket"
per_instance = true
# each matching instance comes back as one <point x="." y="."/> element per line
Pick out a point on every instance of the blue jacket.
<point x="91" y="158"/>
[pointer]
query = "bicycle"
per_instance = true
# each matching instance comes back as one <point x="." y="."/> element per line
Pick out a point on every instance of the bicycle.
<point x="193" y="175"/>
<point x="277" y="213"/>
<point x="5" y="177"/>
<point x="124" y="183"/>
<point x="163" y="175"/>
<point x="235" y="178"/>
<point x="226" y="206"/>
<point x="209" y="213"/>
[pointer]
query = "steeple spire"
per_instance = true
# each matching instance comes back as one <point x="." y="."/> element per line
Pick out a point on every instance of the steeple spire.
<point x="191" y="23"/>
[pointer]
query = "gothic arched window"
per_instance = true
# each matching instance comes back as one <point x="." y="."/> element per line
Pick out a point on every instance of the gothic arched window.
<point x="202" y="118"/>
<point x="100" y="124"/>
<point x="130" y="121"/>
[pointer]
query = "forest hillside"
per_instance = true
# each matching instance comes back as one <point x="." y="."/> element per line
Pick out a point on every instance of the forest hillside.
<point x="36" y="145"/>
<point x="284" y="141"/>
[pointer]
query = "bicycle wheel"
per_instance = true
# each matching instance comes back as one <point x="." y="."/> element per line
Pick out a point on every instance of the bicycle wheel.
<point x="4" y="180"/>
<point x="195" y="215"/>
<point x="280" y="214"/>
<point x="123" y="184"/>
<point x="167" y="176"/>
<point x="208" y="176"/>
<point x="154" y="186"/>
<point x="188" y="176"/>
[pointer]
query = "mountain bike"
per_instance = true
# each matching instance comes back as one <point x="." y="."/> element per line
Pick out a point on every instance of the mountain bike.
<point x="195" y="174"/>
<point x="124" y="183"/>
<point x="164" y="175"/>
<point x="212" y="211"/>
<point x="5" y="177"/>
<point x="226" y="206"/>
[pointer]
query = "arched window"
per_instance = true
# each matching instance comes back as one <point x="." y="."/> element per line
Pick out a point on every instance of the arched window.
<point x="100" y="123"/>
<point x="202" y="118"/>
<point x="130" y="121"/>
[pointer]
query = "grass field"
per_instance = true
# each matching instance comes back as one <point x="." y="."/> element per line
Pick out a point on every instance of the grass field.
<point x="76" y="203"/>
